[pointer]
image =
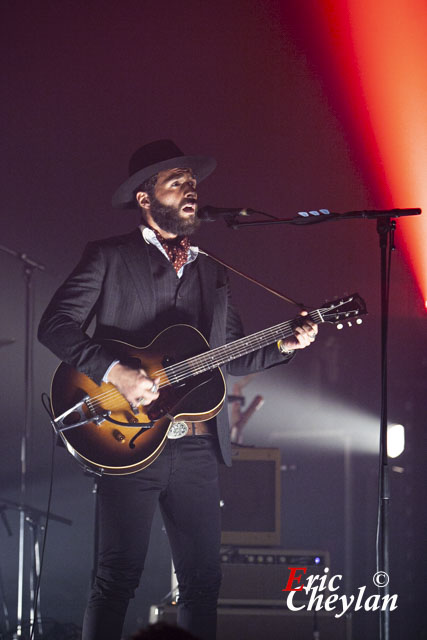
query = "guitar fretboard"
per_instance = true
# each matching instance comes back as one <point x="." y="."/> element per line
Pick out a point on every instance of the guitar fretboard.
<point x="221" y="355"/>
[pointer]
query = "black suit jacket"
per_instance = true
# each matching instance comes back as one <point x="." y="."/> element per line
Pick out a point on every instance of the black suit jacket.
<point x="114" y="283"/>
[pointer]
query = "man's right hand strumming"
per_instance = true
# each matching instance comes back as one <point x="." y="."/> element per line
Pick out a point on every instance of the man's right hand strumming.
<point x="134" y="384"/>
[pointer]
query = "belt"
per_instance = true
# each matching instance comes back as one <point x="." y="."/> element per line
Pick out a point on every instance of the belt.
<point x="180" y="429"/>
<point x="200" y="429"/>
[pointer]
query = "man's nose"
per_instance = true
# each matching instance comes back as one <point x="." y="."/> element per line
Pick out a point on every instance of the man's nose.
<point x="190" y="189"/>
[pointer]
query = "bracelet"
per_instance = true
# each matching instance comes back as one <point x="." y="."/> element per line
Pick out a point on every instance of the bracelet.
<point x="283" y="349"/>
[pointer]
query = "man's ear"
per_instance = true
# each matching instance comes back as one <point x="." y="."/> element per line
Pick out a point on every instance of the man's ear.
<point x="143" y="200"/>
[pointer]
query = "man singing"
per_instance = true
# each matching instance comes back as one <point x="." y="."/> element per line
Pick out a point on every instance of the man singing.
<point x="137" y="285"/>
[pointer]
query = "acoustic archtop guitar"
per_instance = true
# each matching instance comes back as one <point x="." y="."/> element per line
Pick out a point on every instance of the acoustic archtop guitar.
<point x="107" y="436"/>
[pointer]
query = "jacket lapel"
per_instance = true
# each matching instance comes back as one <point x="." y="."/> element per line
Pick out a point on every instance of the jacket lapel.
<point x="208" y="274"/>
<point x="134" y="252"/>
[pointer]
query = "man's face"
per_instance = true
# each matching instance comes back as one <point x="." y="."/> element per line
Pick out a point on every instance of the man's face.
<point x="174" y="206"/>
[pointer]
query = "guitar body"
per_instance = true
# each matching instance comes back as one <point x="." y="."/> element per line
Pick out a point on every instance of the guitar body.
<point x="118" y="449"/>
<point x="105" y="434"/>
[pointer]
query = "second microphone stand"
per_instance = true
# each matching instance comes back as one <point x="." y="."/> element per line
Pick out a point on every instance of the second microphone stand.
<point x="386" y="226"/>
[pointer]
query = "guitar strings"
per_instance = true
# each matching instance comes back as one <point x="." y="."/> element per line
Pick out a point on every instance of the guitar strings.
<point x="202" y="362"/>
<point x="233" y="349"/>
<point x="222" y="354"/>
<point x="187" y="369"/>
<point x="262" y="338"/>
<point x="205" y="361"/>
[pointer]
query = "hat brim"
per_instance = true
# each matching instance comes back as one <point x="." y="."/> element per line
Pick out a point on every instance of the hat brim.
<point x="124" y="197"/>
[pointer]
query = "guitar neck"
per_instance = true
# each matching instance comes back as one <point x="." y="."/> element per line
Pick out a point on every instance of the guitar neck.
<point x="228" y="352"/>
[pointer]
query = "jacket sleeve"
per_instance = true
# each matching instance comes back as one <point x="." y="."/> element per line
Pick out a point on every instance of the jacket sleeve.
<point x="263" y="358"/>
<point x="64" y="323"/>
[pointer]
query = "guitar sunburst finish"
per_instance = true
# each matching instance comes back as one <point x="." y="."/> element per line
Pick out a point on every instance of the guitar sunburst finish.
<point x="102" y="431"/>
<point x="106" y="447"/>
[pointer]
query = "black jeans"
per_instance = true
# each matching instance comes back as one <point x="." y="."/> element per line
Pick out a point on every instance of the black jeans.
<point x="184" y="479"/>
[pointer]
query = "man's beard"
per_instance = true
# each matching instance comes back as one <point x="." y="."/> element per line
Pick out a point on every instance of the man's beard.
<point x="169" y="219"/>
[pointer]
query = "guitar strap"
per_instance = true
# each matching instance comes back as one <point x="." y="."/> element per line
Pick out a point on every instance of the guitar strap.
<point x="259" y="284"/>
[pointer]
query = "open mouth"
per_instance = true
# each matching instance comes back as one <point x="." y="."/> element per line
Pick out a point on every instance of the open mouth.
<point x="190" y="207"/>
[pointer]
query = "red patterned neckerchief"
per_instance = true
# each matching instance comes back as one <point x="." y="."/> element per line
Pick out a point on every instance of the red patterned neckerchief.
<point x="176" y="249"/>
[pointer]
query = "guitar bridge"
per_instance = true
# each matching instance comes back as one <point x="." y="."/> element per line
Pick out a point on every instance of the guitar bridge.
<point x="77" y="417"/>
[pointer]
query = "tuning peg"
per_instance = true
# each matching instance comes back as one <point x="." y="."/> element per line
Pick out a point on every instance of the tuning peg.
<point x="340" y="326"/>
<point x="349" y="323"/>
<point x="359" y="321"/>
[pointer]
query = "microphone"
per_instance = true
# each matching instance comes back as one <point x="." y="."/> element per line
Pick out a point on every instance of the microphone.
<point x="211" y="214"/>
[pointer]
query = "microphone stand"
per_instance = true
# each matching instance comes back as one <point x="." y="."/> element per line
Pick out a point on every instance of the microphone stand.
<point x="33" y="518"/>
<point x="5" y="610"/>
<point x="315" y="217"/>
<point x="30" y="266"/>
<point x="386" y="227"/>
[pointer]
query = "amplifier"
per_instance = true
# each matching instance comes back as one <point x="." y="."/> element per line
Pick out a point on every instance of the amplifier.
<point x="253" y="623"/>
<point x="256" y="576"/>
<point x="250" y="497"/>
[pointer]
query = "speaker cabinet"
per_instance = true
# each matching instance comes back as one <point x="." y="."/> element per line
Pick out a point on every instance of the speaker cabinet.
<point x="250" y="497"/>
<point x="256" y="576"/>
<point x="253" y="623"/>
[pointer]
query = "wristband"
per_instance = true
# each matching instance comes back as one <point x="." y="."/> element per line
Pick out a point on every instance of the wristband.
<point x="283" y="349"/>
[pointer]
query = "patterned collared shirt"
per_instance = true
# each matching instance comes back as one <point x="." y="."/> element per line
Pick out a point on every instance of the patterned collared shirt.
<point x="150" y="238"/>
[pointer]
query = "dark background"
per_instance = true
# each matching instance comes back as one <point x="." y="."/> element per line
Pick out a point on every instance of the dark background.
<point x="84" y="84"/>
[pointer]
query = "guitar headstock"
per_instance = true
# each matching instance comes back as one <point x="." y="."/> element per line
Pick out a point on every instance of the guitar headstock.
<point x="342" y="310"/>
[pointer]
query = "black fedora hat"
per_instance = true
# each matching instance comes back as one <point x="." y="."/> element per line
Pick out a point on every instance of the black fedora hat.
<point x="152" y="158"/>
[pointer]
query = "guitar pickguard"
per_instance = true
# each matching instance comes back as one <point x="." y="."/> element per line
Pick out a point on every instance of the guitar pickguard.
<point x="174" y="398"/>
